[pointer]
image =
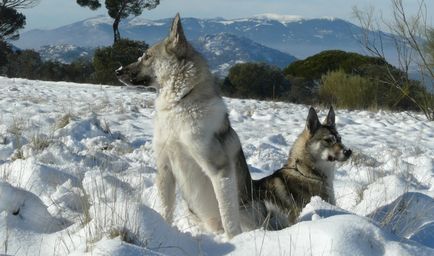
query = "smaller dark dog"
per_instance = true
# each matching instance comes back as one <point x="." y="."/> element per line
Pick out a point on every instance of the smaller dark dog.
<point x="309" y="172"/>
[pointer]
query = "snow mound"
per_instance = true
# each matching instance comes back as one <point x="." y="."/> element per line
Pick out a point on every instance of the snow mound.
<point x="327" y="230"/>
<point x="22" y="209"/>
<point x="38" y="178"/>
<point x="318" y="209"/>
<point x="116" y="247"/>
<point x="411" y="216"/>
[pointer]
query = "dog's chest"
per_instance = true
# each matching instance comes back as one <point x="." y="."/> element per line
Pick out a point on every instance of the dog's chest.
<point x="189" y="118"/>
<point x="176" y="136"/>
<point x="179" y="114"/>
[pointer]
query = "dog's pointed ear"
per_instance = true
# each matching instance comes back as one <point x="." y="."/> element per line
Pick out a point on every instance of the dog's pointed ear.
<point x="312" y="122"/>
<point x="330" y="119"/>
<point x="177" y="42"/>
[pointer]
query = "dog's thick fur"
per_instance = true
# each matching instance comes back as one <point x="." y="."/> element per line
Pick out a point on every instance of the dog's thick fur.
<point x="195" y="146"/>
<point x="309" y="171"/>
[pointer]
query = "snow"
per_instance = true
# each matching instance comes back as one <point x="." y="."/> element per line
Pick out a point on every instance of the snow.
<point x="227" y="22"/>
<point x="25" y="210"/>
<point x="262" y="19"/>
<point x="99" y="20"/>
<point x="77" y="178"/>
<point x="330" y="18"/>
<point x="224" y="50"/>
<point x="64" y="53"/>
<point x="284" y="19"/>
<point x="141" y="21"/>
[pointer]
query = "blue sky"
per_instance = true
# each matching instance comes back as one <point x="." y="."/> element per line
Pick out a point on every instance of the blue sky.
<point x="55" y="13"/>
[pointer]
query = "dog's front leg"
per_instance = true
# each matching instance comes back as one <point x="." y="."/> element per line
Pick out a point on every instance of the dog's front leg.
<point x="225" y="187"/>
<point x="166" y="188"/>
<point x="216" y="164"/>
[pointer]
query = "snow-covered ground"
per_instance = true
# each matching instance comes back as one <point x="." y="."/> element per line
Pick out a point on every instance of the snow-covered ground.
<point x="77" y="178"/>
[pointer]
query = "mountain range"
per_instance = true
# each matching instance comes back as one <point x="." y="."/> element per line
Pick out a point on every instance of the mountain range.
<point x="222" y="51"/>
<point x="271" y="38"/>
<point x="292" y="34"/>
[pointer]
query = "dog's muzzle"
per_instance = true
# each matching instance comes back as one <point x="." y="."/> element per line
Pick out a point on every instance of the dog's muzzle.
<point x="119" y="71"/>
<point x="122" y="77"/>
<point x="129" y="78"/>
<point x="340" y="156"/>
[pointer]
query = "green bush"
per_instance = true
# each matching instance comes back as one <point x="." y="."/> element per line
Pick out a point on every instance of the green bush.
<point x="303" y="91"/>
<point x="28" y="64"/>
<point x="107" y="59"/>
<point x="5" y="51"/>
<point x="315" y="66"/>
<point x="255" y="80"/>
<point x="24" y="64"/>
<point x="53" y="71"/>
<point x="355" y="81"/>
<point x="79" y="71"/>
<point x="348" y="91"/>
<point x="358" y="92"/>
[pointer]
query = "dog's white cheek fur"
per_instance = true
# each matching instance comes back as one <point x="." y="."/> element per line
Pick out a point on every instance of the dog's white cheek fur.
<point x="172" y="77"/>
<point x="315" y="151"/>
<point x="324" y="165"/>
<point x="325" y="154"/>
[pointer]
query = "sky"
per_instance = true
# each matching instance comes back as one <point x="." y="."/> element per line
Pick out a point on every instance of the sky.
<point x="55" y="13"/>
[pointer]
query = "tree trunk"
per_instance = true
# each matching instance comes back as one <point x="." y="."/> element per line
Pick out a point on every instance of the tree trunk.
<point x="116" y="33"/>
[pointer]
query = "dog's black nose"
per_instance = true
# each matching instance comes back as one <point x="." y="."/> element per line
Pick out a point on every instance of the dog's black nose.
<point x="119" y="71"/>
<point x="347" y="152"/>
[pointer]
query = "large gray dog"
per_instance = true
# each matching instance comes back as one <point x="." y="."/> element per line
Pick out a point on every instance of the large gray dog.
<point x="195" y="146"/>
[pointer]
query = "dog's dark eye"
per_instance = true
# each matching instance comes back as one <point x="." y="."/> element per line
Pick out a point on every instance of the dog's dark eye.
<point x="145" y="56"/>
<point x="328" y="140"/>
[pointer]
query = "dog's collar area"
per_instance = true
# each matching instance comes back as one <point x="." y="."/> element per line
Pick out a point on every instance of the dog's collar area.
<point x="316" y="175"/>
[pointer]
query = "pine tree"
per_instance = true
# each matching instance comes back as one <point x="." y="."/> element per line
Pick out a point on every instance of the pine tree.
<point x="10" y="19"/>
<point x="19" y="4"/>
<point x="10" y="22"/>
<point x="120" y="9"/>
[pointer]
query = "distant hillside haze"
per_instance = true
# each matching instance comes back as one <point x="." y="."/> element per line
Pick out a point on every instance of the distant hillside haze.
<point x="65" y="53"/>
<point x="291" y="34"/>
<point x="222" y="51"/>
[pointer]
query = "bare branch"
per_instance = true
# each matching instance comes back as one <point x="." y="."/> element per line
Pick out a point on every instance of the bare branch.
<point x="19" y="4"/>
<point x="407" y="34"/>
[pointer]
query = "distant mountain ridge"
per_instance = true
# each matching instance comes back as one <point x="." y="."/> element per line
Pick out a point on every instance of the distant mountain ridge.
<point x="221" y="51"/>
<point x="65" y="53"/>
<point x="291" y="34"/>
<point x="224" y="50"/>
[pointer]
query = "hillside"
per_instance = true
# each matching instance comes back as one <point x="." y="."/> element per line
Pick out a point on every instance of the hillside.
<point x="65" y="53"/>
<point x="221" y="51"/>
